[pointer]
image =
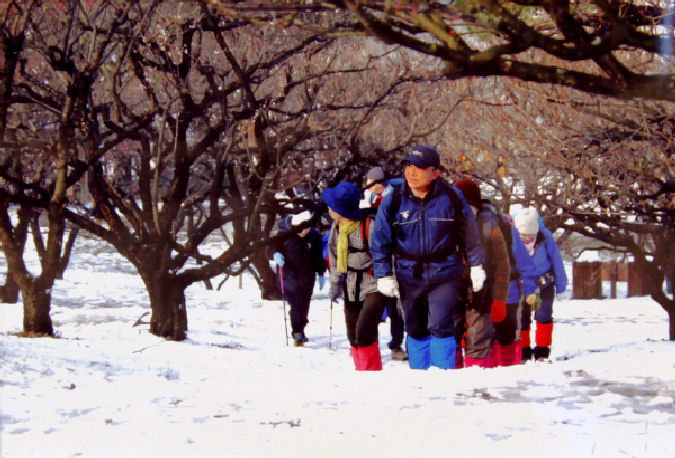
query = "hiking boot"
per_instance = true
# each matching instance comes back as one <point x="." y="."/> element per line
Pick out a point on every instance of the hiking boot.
<point x="398" y="354"/>
<point x="542" y="353"/>
<point x="298" y="339"/>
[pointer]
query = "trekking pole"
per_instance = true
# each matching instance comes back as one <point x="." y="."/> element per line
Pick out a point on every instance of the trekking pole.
<point x="283" y="300"/>
<point x="330" y="331"/>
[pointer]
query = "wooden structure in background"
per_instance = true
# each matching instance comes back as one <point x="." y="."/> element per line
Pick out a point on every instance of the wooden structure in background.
<point x="587" y="278"/>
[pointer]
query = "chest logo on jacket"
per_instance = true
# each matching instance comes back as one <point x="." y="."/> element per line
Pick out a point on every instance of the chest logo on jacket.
<point x="405" y="214"/>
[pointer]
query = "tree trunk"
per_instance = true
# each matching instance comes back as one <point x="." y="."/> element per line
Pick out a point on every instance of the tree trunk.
<point x="35" y="291"/>
<point x="266" y="278"/>
<point x="10" y="290"/>
<point x="671" y="324"/>
<point x="36" y="307"/>
<point x="167" y="303"/>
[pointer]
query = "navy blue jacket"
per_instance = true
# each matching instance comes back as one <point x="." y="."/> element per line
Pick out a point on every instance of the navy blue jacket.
<point x="424" y="227"/>
<point x="303" y="259"/>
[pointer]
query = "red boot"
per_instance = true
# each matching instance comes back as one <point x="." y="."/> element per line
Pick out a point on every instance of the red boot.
<point x="369" y="358"/>
<point x="353" y="352"/>
<point x="509" y="355"/>
<point x="493" y="357"/>
<point x="459" y="359"/>
<point x="544" y="334"/>
<point x="543" y="339"/>
<point x="517" y="352"/>
<point x="480" y="362"/>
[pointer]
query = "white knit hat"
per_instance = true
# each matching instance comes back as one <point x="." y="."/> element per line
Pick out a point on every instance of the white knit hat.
<point x="300" y="218"/>
<point x="527" y="221"/>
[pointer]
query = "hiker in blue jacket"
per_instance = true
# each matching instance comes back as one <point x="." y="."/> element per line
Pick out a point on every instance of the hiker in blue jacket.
<point x="548" y="272"/>
<point x="428" y="228"/>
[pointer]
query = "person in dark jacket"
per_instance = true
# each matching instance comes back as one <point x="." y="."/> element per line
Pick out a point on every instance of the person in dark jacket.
<point x="548" y="272"/>
<point x="486" y="309"/>
<point x="429" y="229"/>
<point x="299" y="260"/>
<point x="351" y="274"/>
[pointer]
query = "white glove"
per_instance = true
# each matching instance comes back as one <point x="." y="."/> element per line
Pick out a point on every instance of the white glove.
<point x="388" y="286"/>
<point x="477" y="277"/>
<point x="560" y="297"/>
<point x="279" y="259"/>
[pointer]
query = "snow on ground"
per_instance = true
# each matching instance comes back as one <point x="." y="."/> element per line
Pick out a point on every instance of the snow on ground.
<point x="106" y="388"/>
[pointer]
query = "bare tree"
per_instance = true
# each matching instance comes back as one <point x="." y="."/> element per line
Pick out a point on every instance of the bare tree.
<point x="517" y="38"/>
<point x="57" y="57"/>
<point x="51" y="63"/>
<point x="190" y="125"/>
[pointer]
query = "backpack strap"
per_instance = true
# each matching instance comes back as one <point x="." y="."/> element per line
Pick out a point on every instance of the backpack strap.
<point x="364" y="227"/>
<point x="460" y="220"/>
<point x="396" y="198"/>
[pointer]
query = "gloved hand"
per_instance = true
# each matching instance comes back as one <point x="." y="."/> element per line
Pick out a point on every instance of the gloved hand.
<point x="336" y="289"/>
<point x="279" y="259"/>
<point x="498" y="311"/>
<point x="530" y="299"/>
<point x="560" y="296"/>
<point x="321" y="281"/>
<point x="388" y="286"/>
<point x="534" y="301"/>
<point x="477" y="277"/>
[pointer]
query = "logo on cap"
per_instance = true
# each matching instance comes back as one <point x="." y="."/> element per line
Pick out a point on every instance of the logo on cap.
<point x="417" y="152"/>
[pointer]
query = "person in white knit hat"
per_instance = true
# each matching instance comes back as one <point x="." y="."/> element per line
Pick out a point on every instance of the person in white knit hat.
<point x="549" y="275"/>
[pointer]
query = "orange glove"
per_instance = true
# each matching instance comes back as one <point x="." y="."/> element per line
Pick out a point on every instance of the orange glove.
<point x="498" y="311"/>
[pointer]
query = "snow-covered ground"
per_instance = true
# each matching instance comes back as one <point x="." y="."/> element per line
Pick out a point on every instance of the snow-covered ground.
<point x="234" y="388"/>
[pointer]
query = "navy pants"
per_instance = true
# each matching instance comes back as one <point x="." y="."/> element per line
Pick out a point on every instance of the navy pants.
<point x="396" y="323"/>
<point x="298" y="300"/>
<point x="429" y="309"/>
<point x="545" y="312"/>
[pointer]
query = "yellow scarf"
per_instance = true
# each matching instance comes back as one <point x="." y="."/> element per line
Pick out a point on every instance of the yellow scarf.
<point x="346" y="228"/>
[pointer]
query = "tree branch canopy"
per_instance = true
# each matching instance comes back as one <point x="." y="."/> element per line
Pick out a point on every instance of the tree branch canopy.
<point x="621" y="49"/>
